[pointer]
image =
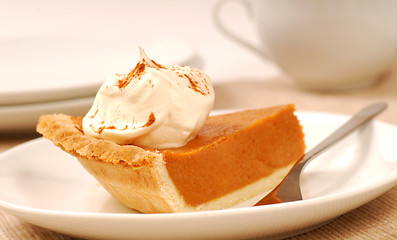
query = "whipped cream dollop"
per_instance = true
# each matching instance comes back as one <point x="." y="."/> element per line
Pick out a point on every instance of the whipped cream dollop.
<point x="152" y="106"/>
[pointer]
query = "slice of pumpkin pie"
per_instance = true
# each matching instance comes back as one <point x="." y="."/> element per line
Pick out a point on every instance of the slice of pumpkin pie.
<point x="233" y="158"/>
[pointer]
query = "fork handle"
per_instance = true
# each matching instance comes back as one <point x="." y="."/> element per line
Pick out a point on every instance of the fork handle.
<point x="360" y="118"/>
<point x="289" y="189"/>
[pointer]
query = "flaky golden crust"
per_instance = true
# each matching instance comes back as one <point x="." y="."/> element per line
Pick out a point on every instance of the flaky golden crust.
<point x="65" y="133"/>
<point x="134" y="176"/>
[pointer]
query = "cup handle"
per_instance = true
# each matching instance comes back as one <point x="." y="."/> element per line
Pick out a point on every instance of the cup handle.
<point x="217" y="20"/>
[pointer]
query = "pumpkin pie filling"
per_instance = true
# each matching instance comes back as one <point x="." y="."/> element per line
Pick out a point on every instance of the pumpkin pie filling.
<point x="234" y="150"/>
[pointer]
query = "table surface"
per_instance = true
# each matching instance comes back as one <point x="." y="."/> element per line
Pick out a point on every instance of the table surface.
<point x="240" y="81"/>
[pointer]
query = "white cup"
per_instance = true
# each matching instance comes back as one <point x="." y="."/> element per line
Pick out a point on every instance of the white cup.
<point x="322" y="44"/>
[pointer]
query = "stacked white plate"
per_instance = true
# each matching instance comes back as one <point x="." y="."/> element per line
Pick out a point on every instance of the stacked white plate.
<point x="61" y="74"/>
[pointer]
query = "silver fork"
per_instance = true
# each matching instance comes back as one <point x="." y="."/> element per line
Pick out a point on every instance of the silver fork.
<point x="290" y="189"/>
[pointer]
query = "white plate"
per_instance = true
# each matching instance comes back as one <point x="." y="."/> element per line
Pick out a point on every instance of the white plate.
<point x="24" y="117"/>
<point x="44" y="186"/>
<point x="64" y="67"/>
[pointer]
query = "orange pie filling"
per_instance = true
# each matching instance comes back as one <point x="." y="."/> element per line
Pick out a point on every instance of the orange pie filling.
<point x="233" y="151"/>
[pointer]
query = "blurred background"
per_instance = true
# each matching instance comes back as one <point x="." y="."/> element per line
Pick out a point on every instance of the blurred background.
<point x="55" y="54"/>
<point x="141" y="22"/>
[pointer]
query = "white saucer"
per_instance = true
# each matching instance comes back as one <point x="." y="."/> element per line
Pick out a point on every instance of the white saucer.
<point x="64" y="67"/>
<point x="41" y="184"/>
<point x="25" y="117"/>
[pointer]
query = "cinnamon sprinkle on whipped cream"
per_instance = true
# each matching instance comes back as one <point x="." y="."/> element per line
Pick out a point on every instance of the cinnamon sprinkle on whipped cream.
<point x="152" y="106"/>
